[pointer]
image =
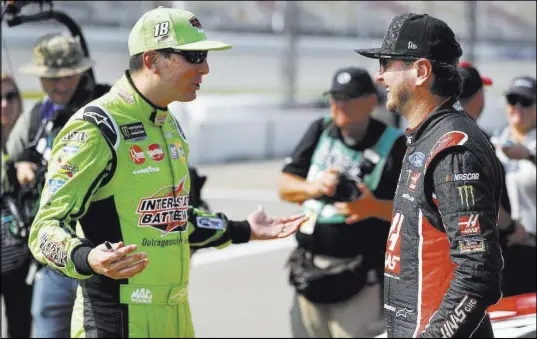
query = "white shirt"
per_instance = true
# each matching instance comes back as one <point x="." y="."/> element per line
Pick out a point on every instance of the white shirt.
<point x="520" y="178"/>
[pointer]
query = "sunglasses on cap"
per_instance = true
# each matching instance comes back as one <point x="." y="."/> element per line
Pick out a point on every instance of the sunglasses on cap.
<point x="513" y="100"/>
<point x="193" y="57"/>
<point x="10" y="96"/>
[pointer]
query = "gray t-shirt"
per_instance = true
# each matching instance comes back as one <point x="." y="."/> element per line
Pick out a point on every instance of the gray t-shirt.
<point x="520" y="177"/>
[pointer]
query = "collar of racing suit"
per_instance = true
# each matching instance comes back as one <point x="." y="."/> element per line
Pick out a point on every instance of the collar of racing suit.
<point x="447" y="105"/>
<point x="146" y="110"/>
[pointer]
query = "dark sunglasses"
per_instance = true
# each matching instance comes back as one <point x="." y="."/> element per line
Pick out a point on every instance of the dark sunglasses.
<point x="513" y="100"/>
<point x="193" y="57"/>
<point x="383" y="61"/>
<point x="10" y="96"/>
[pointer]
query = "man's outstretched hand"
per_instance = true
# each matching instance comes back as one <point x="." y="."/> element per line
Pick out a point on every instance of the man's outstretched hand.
<point x="115" y="262"/>
<point x="267" y="228"/>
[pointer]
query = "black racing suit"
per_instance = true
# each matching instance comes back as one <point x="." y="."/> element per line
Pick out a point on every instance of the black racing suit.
<point x="443" y="259"/>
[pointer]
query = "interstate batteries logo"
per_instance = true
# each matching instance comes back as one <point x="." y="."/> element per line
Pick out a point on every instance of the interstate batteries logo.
<point x="166" y="210"/>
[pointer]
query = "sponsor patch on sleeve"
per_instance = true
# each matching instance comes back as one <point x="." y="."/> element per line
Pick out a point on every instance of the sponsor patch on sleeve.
<point x="71" y="149"/>
<point x="53" y="250"/>
<point x="76" y="136"/>
<point x="472" y="245"/>
<point x="67" y="168"/>
<point x="462" y="177"/>
<point x="469" y="225"/>
<point x="209" y="222"/>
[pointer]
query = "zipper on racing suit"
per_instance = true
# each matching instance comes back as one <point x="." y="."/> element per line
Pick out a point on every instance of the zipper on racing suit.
<point x="174" y="196"/>
<point x="174" y="200"/>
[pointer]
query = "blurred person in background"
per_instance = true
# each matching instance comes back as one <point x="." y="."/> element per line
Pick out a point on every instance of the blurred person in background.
<point x="11" y="106"/>
<point x="115" y="211"/>
<point x="343" y="173"/>
<point x="472" y="97"/>
<point x="516" y="148"/>
<point x="16" y="256"/>
<point x="63" y="70"/>
<point x="512" y="232"/>
<point x="443" y="258"/>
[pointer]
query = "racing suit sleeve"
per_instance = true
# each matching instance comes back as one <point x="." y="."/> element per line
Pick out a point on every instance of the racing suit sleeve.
<point x="81" y="159"/>
<point x="468" y="205"/>
<point x="215" y="230"/>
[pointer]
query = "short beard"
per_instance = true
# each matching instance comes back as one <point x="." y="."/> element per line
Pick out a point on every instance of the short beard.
<point x="403" y="98"/>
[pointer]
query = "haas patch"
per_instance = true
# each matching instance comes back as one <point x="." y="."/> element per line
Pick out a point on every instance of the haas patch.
<point x="450" y="139"/>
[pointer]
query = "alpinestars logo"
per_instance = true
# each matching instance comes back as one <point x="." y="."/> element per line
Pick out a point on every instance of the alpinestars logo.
<point x="166" y="210"/>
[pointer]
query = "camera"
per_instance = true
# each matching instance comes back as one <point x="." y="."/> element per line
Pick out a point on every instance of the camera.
<point x="347" y="189"/>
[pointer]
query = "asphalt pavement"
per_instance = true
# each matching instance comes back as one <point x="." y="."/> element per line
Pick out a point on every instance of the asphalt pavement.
<point x="242" y="290"/>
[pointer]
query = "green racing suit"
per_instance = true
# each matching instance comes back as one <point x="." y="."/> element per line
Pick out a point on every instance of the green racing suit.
<point x="119" y="172"/>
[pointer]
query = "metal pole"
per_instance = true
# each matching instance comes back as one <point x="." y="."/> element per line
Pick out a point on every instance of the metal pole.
<point x="471" y="12"/>
<point x="290" y="52"/>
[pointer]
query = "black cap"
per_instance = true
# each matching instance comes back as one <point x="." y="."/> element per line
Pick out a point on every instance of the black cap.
<point x="352" y="82"/>
<point x="524" y="86"/>
<point x="472" y="80"/>
<point x="417" y="36"/>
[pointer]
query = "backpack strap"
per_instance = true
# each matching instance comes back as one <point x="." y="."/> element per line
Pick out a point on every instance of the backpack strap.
<point x="327" y="120"/>
<point x="383" y="148"/>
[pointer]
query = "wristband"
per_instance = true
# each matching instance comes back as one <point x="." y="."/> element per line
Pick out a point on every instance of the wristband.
<point x="239" y="231"/>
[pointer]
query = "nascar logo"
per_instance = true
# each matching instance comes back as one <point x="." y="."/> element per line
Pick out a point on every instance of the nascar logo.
<point x="462" y="177"/>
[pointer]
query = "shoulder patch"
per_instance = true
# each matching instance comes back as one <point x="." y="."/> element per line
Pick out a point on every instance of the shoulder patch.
<point x="450" y="139"/>
<point x="104" y="121"/>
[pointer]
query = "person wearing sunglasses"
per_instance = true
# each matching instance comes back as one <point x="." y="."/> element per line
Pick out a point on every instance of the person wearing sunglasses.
<point x="512" y="232"/>
<point x="336" y="269"/>
<point x="11" y="106"/>
<point x="115" y="211"/>
<point x="15" y="257"/>
<point x="516" y="148"/>
<point x="443" y="259"/>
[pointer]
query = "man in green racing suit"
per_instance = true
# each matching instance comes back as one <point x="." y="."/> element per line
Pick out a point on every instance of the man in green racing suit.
<point x="115" y="212"/>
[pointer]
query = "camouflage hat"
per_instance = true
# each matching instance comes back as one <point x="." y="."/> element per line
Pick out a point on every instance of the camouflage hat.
<point x="56" y="56"/>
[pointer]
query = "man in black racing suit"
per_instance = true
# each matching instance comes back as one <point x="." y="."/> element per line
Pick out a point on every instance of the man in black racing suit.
<point x="443" y="260"/>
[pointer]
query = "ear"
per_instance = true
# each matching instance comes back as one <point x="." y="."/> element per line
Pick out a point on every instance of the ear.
<point x="425" y="71"/>
<point x="150" y="59"/>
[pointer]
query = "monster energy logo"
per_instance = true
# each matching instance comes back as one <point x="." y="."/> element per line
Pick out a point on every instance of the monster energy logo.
<point x="125" y="131"/>
<point x="466" y="193"/>
<point x="134" y="131"/>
